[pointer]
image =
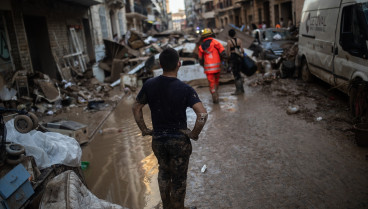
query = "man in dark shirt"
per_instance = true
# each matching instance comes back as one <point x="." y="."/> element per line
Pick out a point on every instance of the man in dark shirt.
<point x="168" y="99"/>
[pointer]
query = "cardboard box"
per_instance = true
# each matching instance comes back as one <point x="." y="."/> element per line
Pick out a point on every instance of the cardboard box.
<point x="72" y="129"/>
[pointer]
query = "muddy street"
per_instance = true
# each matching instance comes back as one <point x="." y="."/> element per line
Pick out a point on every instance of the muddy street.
<point x="257" y="155"/>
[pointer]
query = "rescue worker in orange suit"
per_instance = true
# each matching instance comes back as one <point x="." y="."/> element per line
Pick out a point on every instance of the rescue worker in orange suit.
<point x="209" y="53"/>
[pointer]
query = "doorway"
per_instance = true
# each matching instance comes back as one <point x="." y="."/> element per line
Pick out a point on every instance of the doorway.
<point x="260" y="16"/>
<point x="286" y="11"/>
<point x="266" y="11"/>
<point x="89" y="43"/>
<point x="277" y="14"/>
<point x="113" y="23"/>
<point x="39" y="45"/>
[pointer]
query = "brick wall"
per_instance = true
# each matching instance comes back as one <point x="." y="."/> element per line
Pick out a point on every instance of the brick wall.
<point x="58" y="15"/>
<point x="58" y="35"/>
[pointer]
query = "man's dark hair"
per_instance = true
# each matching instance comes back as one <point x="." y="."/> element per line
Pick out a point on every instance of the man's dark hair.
<point x="232" y="32"/>
<point x="169" y="59"/>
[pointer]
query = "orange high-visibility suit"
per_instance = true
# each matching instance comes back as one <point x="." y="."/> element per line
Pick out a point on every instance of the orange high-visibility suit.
<point x="210" y="51"/>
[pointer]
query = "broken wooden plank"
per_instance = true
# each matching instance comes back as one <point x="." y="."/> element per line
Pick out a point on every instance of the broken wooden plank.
<point x="117" y="68"/>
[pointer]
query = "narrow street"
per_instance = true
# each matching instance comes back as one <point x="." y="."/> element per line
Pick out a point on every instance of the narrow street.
<point x="257" y="156"/>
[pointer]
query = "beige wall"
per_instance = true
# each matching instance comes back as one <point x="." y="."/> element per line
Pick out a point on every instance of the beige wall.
<point x="97" y="31"/>
<point x="251" y="13"/>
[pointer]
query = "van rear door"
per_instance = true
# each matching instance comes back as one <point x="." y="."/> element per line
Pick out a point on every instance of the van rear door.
<point x="351" y="44"/>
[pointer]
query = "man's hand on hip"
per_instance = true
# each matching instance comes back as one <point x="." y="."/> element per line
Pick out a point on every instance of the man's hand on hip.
<point x="147" y="132"/>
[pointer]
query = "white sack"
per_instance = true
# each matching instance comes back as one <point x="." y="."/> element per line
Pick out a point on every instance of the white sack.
<point x="47" y="148"/>
<point x="67" y="189"/>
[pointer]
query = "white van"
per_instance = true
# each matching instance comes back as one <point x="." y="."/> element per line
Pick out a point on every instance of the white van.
<point x="333" y="46"/>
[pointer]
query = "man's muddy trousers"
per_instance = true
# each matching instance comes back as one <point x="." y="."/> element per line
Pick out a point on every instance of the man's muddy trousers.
<point x="173" y="155"/>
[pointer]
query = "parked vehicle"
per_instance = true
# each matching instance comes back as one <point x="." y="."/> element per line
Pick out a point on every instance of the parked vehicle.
<point x="333" y="46"/>
<point x="274" y="40"/>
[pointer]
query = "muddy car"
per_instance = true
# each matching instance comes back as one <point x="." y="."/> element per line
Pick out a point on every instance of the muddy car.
<point x="273" y="41"/>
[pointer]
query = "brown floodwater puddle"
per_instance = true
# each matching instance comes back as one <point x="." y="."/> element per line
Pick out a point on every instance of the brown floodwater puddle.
<point x="123" y="169"/>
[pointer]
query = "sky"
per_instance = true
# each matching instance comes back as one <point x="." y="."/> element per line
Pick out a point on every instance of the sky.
<point x="175" y="5"/>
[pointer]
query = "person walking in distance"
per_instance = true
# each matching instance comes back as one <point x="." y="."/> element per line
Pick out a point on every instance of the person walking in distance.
<point x="235" y="51"/>
<point x="209" y="53"/>
<point x="168" y="99"/>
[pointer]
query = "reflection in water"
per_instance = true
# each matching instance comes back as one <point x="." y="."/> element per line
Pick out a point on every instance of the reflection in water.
<point x="123" y="168"/>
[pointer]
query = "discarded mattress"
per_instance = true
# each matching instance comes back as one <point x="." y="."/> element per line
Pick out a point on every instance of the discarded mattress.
<point x="47" y="148"/>
<point x="67" y="191"/>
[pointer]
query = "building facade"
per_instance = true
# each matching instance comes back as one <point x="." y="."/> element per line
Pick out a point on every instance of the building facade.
<point x="208" y="13"/>
<point x="193" y="13"/>
<point x="179" y="20"/>
<point x="108" y="19"/>
<point x="227" y="12"/>
<point x="38" y="33"/>
<point x="219" y="13"/>
<point x="271" y="12"/>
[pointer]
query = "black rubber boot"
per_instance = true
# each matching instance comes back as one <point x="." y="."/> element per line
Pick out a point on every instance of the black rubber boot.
<point x="215" y="98"/>
<point x="239" y="87"/>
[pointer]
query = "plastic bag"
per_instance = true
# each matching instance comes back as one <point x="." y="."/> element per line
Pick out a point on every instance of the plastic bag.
<point x="7" y="94"/>
<point x="47" y="148"/>
<point x="249" y="66"/>
<point x="67" y="189"/>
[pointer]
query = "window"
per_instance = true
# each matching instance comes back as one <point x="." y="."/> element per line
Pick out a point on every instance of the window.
<point x="365" y="11"/>
<point x="351" y="36"/>
<point x="102" y="14"/>
<point x="260" y="16"/>
<point x="121" y="25"/>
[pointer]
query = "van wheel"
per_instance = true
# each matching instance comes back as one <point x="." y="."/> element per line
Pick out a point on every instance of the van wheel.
<point x="306" y="75"/>
<point x="358" y="101"/>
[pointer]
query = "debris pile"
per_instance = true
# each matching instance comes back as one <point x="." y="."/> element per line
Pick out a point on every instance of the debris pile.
<point x="138" y="55"/>
<point x="132" y="60"/>
<point x="39" y="93"/>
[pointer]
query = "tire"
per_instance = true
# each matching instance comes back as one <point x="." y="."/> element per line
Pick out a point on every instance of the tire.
<point x="34" y="119"/>
<point x="23" y="124"/>
<point x="15" y="161"/>
<point x="357" y="102"/>
<point x="15" y="149"/>
<point x="305" y="73"/>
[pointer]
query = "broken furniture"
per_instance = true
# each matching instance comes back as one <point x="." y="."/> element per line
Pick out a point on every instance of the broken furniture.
<point x="21" y="81"/>
<point x="72" y="129"/>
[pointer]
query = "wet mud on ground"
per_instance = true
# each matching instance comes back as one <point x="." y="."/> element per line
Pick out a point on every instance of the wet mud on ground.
<point x="257" y="156"/>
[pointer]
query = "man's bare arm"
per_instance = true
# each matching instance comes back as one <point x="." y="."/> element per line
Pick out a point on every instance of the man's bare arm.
<point x="228" y="49"/>
<point x="201" y="120"/>
<point x="241" y="46"/>
<point x="138" y="116"/>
